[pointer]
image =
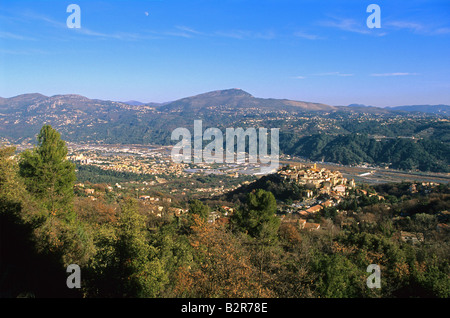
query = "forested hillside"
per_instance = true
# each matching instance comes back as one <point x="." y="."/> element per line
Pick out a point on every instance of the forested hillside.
<point x="352" y="149"/>
<point x="125" y="250"/>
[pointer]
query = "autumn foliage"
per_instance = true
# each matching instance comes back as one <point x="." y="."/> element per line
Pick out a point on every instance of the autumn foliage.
<point x="222" y="266"/>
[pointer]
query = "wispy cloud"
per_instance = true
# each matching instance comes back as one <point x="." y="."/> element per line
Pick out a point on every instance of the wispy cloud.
<point x="83" y="31"/>
<point x="189" y="32"/>
<point x="124" y="36"/>
<point x="442" y="31"/>
<point x="29" y="15"/>
<point x="323" y="74"/>
<point x="246" y="34"/>
<point x="307" y="36"/>
<point x="235" y="34"/>
<point x="350" y="74"/>
<point x="188" y="29"/>
<point x="333" y="74"/>
<point x="183" y="31"/>
<point x="349" y="25"/>
<point x="177" y="31"/>
<point x="393" y="74"/>
<point x="24" y="52"/>
<point x="418" y="27"/>
<point x="14" y="36"/>
<point x="412" y="26"/>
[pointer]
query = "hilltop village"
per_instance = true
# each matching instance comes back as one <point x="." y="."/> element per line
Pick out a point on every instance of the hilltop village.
<point x="162" y="186"/>
<point x="329" y="182"/>
<point x="325" y="189"/>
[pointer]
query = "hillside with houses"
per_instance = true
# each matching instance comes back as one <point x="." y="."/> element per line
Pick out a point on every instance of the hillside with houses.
<point x="302" y="231"/>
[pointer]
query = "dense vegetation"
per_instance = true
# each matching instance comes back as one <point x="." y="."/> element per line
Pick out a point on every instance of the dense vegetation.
<point x="126" y="251"/>
<point x="397" y="153"/>
<point x="93" y="174"/>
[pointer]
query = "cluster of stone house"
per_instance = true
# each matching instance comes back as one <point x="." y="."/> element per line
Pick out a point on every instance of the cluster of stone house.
<point x="328" y="182"/>
<point x="303" y="174"/>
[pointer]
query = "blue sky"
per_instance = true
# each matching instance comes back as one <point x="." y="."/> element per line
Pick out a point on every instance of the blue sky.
<point x="162" y="50"/>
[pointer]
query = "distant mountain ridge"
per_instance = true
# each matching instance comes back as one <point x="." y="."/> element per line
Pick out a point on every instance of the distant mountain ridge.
<point x="238" y="98"/>
<point x="233" y="98"/>
<point x="22" y="116"/>
<point x="430" y="109"/>
<point x="433" y="109"/>
<point x="342" y="134"/>
<point x="133" y="103"/>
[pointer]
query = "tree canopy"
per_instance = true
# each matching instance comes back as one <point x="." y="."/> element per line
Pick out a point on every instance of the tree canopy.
<point x="46" y="171"/>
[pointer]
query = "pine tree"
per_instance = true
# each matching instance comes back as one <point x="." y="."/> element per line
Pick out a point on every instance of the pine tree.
<point x="47" y="174"/>
<point x="258" y="218"/>
<point x="139" y="270"/>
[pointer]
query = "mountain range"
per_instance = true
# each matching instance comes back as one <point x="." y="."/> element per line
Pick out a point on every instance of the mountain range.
<point x="30" y="104"/>
<point x="83" y="119"/>
<point x="237" y="98"/>
<point x="431" y="109"/>
<point x="343" y="134"/>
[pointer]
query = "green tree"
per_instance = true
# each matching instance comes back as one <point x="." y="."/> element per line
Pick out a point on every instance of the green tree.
<point x="174" y="252"/>
<point x="49" y="177"/>
<point x="196" y="209"/>
<point x="339" y="277"/>
<point x="258" y="217"/>
<point x="23" y="266"/>
<point x="425" y="224"/>
<point x="47" y="173"/>
<point x="139" y="270"/>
